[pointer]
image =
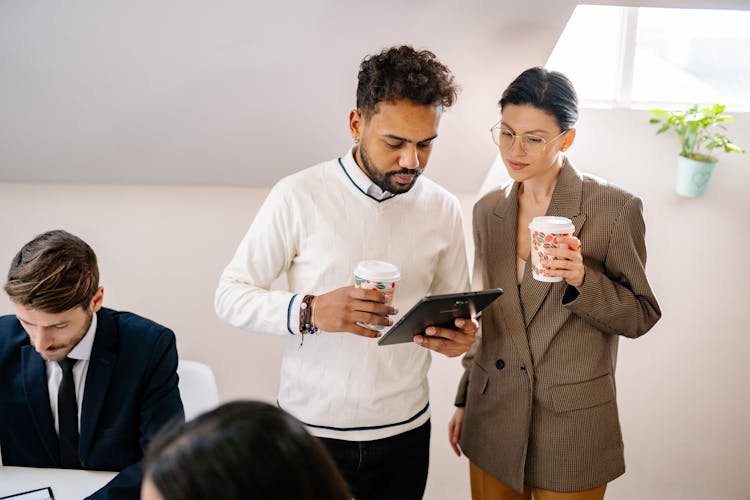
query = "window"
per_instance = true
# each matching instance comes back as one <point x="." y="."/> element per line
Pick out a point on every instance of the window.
<point x="637" y="57"/>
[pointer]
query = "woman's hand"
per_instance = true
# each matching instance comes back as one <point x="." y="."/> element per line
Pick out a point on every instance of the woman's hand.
<point x="454" y="430"/>
<point x="568" y="261"/>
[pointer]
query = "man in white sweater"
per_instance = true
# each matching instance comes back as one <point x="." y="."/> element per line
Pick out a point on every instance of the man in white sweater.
<point x="368" y="403"/>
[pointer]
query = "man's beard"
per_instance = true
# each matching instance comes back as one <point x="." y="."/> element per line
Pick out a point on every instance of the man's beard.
<point x="385" y="181"/>
<point x="62" y="351"/>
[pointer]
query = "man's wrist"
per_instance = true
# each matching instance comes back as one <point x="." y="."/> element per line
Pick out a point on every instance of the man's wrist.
<point x="306" y="324"/>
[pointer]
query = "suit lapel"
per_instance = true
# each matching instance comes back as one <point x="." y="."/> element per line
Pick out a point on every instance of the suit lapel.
<point x="101" y="365"/>
<point x="37" y="396"/>
<point x="566" y="202"/>
<point x="500" y="252"/>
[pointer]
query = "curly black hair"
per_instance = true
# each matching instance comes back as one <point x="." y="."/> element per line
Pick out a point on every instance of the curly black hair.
<point x="404" y="73"/>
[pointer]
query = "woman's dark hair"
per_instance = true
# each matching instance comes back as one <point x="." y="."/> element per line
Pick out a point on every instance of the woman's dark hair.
<point x="404" y="73"/>
<point x="547" y="90"/>
<point x="242" y="450"/>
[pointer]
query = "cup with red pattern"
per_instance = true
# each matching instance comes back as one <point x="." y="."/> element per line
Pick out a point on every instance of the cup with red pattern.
<point x="377" y="275"/>
<point x="545" y="231"/>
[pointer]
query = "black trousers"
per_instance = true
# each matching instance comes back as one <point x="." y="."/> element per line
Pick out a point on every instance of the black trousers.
<point x="393" y="468"/>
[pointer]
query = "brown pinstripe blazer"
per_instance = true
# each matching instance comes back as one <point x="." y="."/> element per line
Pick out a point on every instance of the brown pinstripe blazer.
<point x="538" y="386"/>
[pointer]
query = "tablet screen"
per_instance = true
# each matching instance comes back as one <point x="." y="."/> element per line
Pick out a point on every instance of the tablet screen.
<point x="438" y="310"/>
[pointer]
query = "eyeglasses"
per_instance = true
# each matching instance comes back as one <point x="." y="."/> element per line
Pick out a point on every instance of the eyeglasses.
<point x="531" y="144"/>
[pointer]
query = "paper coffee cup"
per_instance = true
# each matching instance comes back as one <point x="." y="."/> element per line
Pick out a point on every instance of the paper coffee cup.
<point x="377" y="275"/>
<point x="544" y="233"/>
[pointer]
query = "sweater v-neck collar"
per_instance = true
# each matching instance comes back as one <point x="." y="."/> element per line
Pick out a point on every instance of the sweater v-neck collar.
<point x="360" y="180"/>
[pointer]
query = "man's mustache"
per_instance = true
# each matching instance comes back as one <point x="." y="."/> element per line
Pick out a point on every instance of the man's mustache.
<point x="405" y="171"/>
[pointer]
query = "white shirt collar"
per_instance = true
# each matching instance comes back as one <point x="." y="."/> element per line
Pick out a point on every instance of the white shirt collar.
<point x="361" y="179"/>
<point x="83" y="349"/>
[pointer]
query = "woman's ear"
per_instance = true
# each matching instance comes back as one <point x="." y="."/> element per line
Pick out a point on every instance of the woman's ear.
<point x="570" y="136"/>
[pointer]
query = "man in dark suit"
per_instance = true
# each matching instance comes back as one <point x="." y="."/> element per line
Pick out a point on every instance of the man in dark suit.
<point x="81" y="386"/>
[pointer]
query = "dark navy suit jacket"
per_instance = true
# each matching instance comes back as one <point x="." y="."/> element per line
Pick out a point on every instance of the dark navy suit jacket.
<point x="130" y="392"/>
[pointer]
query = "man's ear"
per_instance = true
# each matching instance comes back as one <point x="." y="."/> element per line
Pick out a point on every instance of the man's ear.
<point x="98" y="300"/>
<point x="356" y="124"/>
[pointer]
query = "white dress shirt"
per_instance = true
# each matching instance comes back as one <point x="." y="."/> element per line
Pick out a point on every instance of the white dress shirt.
<point x="81" y="352"/>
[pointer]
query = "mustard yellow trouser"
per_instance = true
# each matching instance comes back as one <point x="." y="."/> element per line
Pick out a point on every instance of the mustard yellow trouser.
<point x="486" y="487"/>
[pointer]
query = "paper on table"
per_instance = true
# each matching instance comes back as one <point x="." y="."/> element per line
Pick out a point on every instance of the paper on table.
<point x="40" y="494"/>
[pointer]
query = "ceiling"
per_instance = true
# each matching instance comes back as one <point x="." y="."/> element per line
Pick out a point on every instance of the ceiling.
<point x="242" y="93"/>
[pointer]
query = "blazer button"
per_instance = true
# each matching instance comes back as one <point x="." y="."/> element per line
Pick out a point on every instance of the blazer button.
<point x="499" y="364"/>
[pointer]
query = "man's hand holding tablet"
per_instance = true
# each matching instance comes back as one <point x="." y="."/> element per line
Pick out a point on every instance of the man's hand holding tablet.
<point x="443" y="323"/>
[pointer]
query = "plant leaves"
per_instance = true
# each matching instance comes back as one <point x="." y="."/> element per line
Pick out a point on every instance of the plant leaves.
<point x="699" y="129"/>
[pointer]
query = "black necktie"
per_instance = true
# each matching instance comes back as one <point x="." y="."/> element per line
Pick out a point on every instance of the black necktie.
<point x="67" y="413"/>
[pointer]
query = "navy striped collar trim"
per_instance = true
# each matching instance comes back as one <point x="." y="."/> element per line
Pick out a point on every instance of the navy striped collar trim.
<point x="359" y="188"/>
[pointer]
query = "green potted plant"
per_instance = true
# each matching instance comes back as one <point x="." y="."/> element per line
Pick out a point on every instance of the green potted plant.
<point x="701" y="134"/>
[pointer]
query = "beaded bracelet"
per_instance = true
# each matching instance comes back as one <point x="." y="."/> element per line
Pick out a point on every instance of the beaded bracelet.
<point x="305" y="316"/>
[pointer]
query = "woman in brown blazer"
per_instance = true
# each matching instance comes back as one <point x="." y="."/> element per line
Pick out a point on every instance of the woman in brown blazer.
<point x="536" y="408"/>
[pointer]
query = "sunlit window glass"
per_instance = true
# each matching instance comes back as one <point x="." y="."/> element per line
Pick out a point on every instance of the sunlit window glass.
<point x="641" y="57"/>
<point x="687" y="55"/>
<point x="588" y="51"/>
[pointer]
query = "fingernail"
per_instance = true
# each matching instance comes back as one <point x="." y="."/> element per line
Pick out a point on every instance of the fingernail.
<point x="418" y="339"/>
<point x="431" y="331"/>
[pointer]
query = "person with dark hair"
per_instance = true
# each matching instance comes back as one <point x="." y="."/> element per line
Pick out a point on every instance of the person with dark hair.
<point x="368" y="403"/>
<point x="241" y="450"/>
<point x="81" y="386"/>
<point x="536" y="409"/>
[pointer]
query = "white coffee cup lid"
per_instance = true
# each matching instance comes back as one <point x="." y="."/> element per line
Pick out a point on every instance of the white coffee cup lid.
<point x="377" y="270"/>
<point x="552" y="224"/>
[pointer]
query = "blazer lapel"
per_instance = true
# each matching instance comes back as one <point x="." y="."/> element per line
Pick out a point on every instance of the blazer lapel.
<point x="37" y="396"/>
<point x="502" y="251"/>
<point x="101" y="366"/>
<point x="566" y="202"/>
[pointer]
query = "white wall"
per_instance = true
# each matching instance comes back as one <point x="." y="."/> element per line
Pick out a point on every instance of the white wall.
<point x="680" y="387"/>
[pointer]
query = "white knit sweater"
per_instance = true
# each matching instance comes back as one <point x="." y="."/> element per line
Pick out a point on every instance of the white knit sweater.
<point x="315" y="226"/>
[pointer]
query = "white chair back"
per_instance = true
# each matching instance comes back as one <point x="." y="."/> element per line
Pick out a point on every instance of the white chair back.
<point x="197" y="388"/>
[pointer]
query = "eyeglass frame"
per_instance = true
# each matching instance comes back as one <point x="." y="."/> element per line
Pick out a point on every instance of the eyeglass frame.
<point x="545" y="141"/>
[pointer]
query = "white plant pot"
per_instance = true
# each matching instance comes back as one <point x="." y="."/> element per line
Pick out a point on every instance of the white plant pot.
<point x="693" y="176"/>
